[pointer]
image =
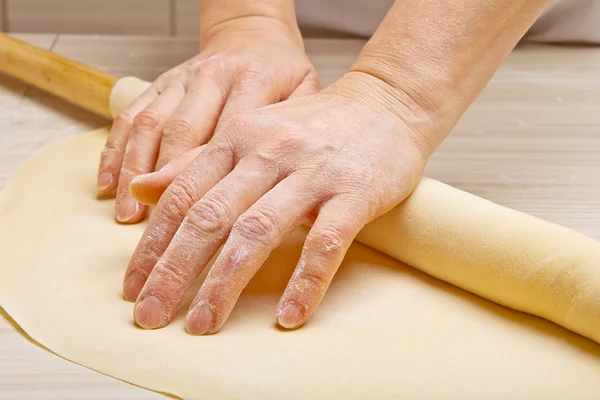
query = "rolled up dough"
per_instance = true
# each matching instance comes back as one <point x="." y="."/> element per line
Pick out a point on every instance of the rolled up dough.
<point x="383" y="331"/>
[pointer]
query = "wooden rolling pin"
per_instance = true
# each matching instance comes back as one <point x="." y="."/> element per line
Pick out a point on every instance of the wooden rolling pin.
<point x="72" y="81"/>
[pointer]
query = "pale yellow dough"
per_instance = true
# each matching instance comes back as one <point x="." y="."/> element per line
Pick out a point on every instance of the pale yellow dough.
<point x="384" y="330"/>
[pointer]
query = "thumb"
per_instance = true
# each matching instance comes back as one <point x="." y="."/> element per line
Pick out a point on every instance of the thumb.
<point x="148" y="188"/>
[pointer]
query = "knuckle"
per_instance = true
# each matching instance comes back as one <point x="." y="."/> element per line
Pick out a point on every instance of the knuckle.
<point x="211" y="66"/>
<point x="124" y="118"/>
<point x="178" y="199"/>
<point x="195" y="67"/>
<point x="316" y="280"/>
<point x="163" y="79"/>
<point x="268" y="161"/>
<point x="327" y="242"/>
<point x="110" y="147"/>
<point x="178" y="128"/>
<point x="209" y="215"/>
<point x="237" y="125"/>
<point x="173" y="273"/>
<point x="147" y="119"/>
<point x="219" y="280"/>
<point x="220" y="148"/>
<point x="251" y="67"/>
<point x="259" y="225"/>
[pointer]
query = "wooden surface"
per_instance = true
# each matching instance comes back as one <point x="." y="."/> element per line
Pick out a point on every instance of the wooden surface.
<point x="530" y="142"/>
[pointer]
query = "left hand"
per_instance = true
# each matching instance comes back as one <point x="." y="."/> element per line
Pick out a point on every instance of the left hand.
<point x="245" y="63"/>
<point x="336" y="160"/>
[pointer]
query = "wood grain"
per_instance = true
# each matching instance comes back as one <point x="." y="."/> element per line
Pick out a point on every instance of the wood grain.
<point x="133" y="17"/>
<point x="531" y="142"/>
<point x="69" y="80"/>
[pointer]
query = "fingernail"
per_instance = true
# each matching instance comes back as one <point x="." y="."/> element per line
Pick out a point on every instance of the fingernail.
<point x="138" y="179"/>
<point x="104" y="180"/>
<point x="127" y="208"/>
<point x="150" y="313"/>
<point x="199" y="319"/>
<point x="133" y="286"/>
<point x="289" y="316"/>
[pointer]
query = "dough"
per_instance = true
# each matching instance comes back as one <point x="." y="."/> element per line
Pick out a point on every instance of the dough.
<point x="384" y="330"/>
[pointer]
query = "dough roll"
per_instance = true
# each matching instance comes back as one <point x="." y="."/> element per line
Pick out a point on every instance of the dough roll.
<point x="503" y="255"/>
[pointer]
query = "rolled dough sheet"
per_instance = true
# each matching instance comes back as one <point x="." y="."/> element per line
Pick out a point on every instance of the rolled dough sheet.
<point x="383" y="331"/>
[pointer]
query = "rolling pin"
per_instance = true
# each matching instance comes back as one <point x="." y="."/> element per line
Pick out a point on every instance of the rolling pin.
<point x="71" y="81"/>
<point x="504" y="255"/>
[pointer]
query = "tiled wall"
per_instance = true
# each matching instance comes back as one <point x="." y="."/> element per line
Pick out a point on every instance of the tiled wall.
<point x="130" y="17"/>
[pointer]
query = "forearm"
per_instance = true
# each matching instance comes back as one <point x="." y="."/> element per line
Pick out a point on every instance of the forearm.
<point x="430" y="59"/>
<point x="216" y="15"/>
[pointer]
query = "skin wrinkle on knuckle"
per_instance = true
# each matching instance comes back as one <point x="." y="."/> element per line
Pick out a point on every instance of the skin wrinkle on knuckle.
<point x="108" y="158"/>
<point x="258" y="226"/>
<point x="146" y="120"/>
<point x="172" y="273"/>
<point x="316" y="281"/>
<point x="177" y="129"/>
<point x="144" y="262"/>
<point x="177" y="200"/>
<point x="123" y="119"/>
<point x="328" y="242"/>
<point x="213" y="68"/>
<point x="268" y="161"/>
<point x="209" y="215"/>
<point x="253" y="73"/>
<point x="111" y="146"/>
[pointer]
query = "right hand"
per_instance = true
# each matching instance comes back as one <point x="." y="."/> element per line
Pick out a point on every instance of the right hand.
<point x="244" y="64"/>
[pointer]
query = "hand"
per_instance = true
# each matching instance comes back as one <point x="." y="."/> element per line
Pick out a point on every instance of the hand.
<point x="240" y="68"/>
<point x="334" y="160"/>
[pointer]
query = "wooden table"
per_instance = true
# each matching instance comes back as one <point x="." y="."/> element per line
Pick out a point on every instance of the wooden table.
<point x="530" y="142"/>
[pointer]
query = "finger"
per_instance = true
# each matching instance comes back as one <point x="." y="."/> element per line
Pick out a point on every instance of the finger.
<point x="193" y="122"/>
<point x="336" y="226"/>
<point x="202" y="232"/>
<point x="308" y="86"/>
<point x="246" y="96"/>
<point x="142" y="149"/>
<point x="148" y="188"/>
<point x="255" y="234"/>
<point x="112" y="154"/>
<point x="215" y="162"/>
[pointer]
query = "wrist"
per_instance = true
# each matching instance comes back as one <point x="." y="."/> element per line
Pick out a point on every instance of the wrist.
<point x="273" y="19"/>
<point x="384" y="100"/>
